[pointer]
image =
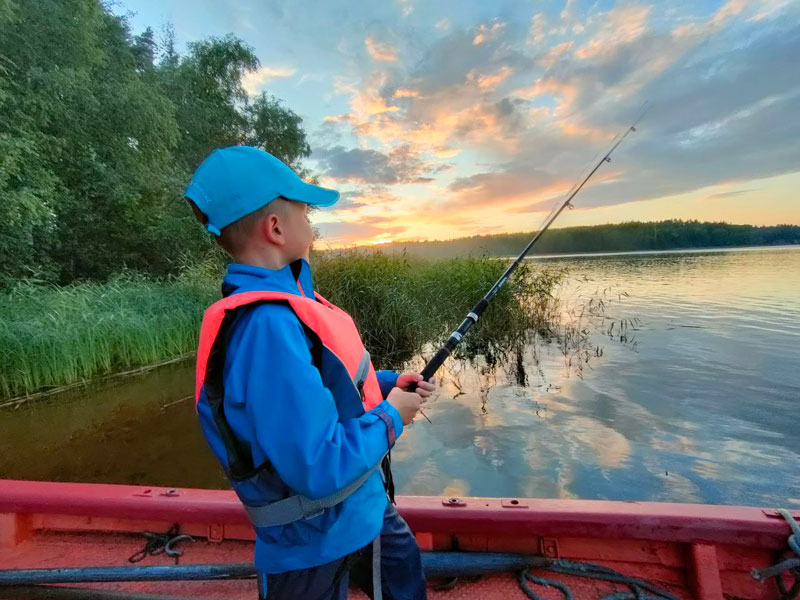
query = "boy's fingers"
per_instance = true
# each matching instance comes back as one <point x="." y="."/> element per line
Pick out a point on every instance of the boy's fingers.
<point x="407" y="378"/>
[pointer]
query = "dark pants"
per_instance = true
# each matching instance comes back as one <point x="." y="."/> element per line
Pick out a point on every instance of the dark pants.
<point x="401" y="570"/>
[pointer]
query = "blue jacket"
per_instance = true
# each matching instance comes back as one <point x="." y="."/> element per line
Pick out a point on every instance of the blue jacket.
<point x="277" y="405"/>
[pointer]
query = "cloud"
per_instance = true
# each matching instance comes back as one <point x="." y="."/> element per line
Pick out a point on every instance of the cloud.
<point x="407" y="7"/>
<point x="380" y="51"/>
<point x="487" y="33"/>
<point x="716" y="116"/>
<point x="491" y="187"/>
<point x="556" y="52"/>
<point x="621" y="25"/>
<point x="538" y="31"/>
<point x="769" y="8"/>
<point x="489" y="81"/>
<point x="401" y="165"/>
<point x="733" y="194"/>
<point x="567" y="12"/>
<point x="489" y="113"/>
<point x="722" y="15"/>
<point x="253" y="81"/>
<point x="342" y="233"/>
<point x="446" y="99"/>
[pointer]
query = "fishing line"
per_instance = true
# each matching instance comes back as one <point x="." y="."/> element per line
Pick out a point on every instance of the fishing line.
<point x="472" y="317"/>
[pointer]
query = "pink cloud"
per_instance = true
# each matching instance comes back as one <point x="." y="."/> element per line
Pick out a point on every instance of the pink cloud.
<point x="719" y="19"/>
<point x="487" y="32"/>
<point x="380" y="51"/>
<point x="556" y="52"/>
<point x="489" y="81"/>
<point x="621" y="25"/>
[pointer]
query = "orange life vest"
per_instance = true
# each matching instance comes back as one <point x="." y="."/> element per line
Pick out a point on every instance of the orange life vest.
<point x="346" y="370"/>
<point x="333" y="327"/>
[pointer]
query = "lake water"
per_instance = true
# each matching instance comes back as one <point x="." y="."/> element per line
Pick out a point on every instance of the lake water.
<point x="702" y="404"/>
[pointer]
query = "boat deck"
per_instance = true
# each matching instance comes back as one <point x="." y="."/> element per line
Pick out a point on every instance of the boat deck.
<point x="59" y="549"/>
<point x="694" y="552"/>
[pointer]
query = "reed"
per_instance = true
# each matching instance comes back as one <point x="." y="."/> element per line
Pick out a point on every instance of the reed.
<point x="56" y="336"/>
<point x="401" y="304"/>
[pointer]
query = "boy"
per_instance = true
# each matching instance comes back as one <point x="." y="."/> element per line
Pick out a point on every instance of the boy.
<point x="288" y="399"/>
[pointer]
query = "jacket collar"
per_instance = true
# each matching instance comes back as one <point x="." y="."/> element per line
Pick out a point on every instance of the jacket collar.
<point x="248" y="278"/>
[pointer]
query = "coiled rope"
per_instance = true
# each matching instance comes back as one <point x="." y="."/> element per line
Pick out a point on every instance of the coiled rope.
<point x="790" y="565"/>
<point x="161" y="543"/>
<point x="638" y="589"/>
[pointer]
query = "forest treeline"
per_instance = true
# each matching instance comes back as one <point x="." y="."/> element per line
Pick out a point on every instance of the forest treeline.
<point x="621" y="237"/>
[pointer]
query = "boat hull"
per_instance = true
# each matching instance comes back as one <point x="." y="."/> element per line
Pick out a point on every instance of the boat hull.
<point x="694" y="551"/>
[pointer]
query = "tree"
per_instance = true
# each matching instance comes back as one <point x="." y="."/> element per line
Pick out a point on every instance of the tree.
<point x="100" y="131"/>
<point x="276" y="129"/>
<point x="144" y="49"/>
<point x="206" y="87"/>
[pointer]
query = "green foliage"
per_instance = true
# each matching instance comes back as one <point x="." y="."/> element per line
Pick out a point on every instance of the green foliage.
<point x="622" y="237"/>
<point x="53" y="336"/>
<point x="277" y="130"/>
<point x="99" y="133"/>
<point x="400" y="305"/>
<point x="27" y="189"/>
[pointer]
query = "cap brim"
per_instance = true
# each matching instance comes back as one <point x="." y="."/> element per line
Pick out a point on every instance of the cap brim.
<point x="309" y="193"/>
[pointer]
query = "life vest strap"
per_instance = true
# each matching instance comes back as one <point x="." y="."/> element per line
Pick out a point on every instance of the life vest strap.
<point x="298" y="507"/>
<point x="361" y="373"/>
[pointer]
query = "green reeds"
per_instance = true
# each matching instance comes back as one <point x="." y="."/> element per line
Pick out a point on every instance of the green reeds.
<point x="56" y="336"/>
<point x="402" y="304"/>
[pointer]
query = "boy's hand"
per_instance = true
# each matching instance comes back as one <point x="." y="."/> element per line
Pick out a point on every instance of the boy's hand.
<point x="406" y="403"/>
<point x="424" y="388"/>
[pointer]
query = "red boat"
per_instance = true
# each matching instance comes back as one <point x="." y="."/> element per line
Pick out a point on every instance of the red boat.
<point x="697" y="552"/>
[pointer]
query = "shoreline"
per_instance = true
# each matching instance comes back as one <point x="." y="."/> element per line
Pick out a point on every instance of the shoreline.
<point x="699" y="250"/>
<point x="13" y="403"/>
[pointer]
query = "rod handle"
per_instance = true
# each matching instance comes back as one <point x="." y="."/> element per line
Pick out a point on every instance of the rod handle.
<point x="433" y="365"/>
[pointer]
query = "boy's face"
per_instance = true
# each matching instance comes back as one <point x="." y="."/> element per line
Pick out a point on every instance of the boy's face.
<point x="298" y="232"/>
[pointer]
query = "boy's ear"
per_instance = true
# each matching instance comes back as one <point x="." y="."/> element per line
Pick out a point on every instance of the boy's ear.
<point x="272" y="229"/>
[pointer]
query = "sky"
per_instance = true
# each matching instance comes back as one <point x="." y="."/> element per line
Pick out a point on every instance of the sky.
<point x="447" y="119"/>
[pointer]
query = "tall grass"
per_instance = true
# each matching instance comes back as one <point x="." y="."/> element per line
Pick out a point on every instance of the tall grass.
<point x="56" y="336"/>
<point x="401" y="304"/>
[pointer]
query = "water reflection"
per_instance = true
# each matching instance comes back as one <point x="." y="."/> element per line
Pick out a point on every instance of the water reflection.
<point x="704" y="410"/>
<point x="130" y="431"/>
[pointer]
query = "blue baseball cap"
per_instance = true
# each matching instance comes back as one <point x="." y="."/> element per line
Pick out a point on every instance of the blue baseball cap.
<point x="233" y="182"/>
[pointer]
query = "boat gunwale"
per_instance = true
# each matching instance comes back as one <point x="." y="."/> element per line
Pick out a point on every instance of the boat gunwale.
<point x="654" y="521"/>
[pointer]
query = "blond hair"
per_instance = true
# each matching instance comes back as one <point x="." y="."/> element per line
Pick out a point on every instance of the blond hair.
<point x="233" y="238"/>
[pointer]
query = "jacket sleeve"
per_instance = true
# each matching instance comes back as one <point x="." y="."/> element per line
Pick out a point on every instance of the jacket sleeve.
<point x="293" y="415"/>
<point x="386" y="380"/>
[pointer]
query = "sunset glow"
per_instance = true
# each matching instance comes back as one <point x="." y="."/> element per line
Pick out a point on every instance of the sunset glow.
<point x="438" y="121"/>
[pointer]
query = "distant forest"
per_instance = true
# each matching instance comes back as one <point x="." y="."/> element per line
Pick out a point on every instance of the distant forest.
<point x="621" y="237"/>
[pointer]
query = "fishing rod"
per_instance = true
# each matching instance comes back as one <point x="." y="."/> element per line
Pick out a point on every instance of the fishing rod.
<point x="476" y="312"/>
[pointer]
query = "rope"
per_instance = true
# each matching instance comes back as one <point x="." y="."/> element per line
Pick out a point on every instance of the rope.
<point x="161" y="543"/>
<point x="526" y="576"/>
<point x="790" y="565"/>
<point x="638" y="589"/>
